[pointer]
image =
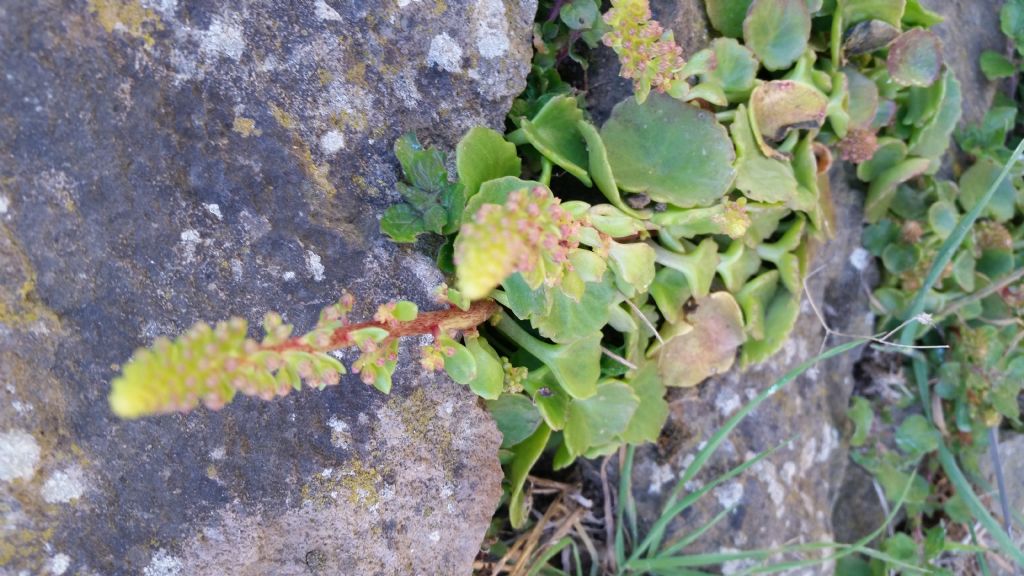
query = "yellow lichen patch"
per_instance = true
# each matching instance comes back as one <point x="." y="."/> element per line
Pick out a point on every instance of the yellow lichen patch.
<point x="357" y="74"/>
<point x="24" y="549"/>
<point x="246" y="127"/>
<point x="325" y="76"/>
<point x="284" y="119"/>
<point x="440" y="7"/>
<point x="345" y="121"/>
<point x="129" y="16"/>
<point x="420" y="419"/>
<point x="316" y="172"/>
<point x="356" y="483"/>
<point x="20" y="305"/>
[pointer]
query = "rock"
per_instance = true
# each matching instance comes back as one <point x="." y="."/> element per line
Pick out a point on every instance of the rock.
<point x="692" y="31"/>
<point x="1011" y="455"/>
<point x="166" y="161"/>
<point x="786" y="498"/>
<point x="969" y="29"/>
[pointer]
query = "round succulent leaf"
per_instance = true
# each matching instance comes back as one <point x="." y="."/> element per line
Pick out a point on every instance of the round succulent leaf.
<point x="899" y="257"/>
<point x="613" y="221"/>
<point x="687" y="359"/>
<point x="780" y="319"/>
<point x="597" y="420"/>
<point x="883" y="188"/>
<point x="916" y="436"/>
<point x="548" y="396"/>
<point x="964" y="270"/>
<point x="566" y="320"/>
<point x="633" y="265"/>
<point x="671" y="151"/>
<point x="976" y="181"/>
<point x="759" y="177"/>
<point x="942" y="218"/>
<point x="863" y="103"/>
<point x="580" y="14"/>
<point x="490" y="374"/>
<point x="576" y="365"/>
<point x="779" y="106"/>
<point x="868" y="36"/>
<point x="932" y="140"/>
<point x="670" y="291"/>
<point x="915" y="58"/>
<point x="652" y="412"/>
<point x="482" y="155"/>
<point x="996" y="66"/>
<point x="736" y="69"/>
<point x="601" y="170"/>
<point x="890" y="152"/>
<point x="554" y="134"/>
<point x="889" y="11"/>
<point x="496" y="191"/>
<point x="458" y="361"/>
<point x="524" y="456"/>
<point x="777" y="31"/>
<point x="405" y="311"/>
<point x="727" y="15"/>
<point x="516" y="416"/>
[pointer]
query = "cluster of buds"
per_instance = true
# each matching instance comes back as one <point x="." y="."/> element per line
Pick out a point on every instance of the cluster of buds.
<point x="734" y="219"/>
<point x="911" y="231"/>
<point x="432" y="356"/>
<point x="377" y="362"/>
<point x="991" y="235"/>
<point x="514" y="376"/>
<point x="530" y="233"/>
<point x="649" y="56"/>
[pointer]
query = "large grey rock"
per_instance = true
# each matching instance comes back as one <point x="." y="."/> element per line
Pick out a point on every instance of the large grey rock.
<point x="165" y="161"/>
<point x="786" y="498"/>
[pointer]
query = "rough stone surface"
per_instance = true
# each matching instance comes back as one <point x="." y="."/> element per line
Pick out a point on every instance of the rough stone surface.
<point x="1011" y="455"/>
<point x="970" y="28"/>
<point x="692" y="31"/>
<point x="786" y="498"/>
<point x="165" y="161"/>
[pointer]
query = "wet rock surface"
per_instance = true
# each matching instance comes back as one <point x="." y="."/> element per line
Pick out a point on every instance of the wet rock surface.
<point x="166" y="161"/>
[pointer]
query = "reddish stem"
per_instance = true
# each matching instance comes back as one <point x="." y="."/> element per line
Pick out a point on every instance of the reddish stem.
<point x="435" y="322"/>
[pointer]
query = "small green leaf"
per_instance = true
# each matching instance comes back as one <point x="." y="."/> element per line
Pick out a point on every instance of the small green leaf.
<point x="883" y="188"/>
<point x="977" y="180"/>
<point x="1011" y="19"/>
<point x="754" y="299"/>
<point x="370" y="333"/>
<point x="757" y="176"/>
<point x="699" y="265"/>
<point x="405" y="311"/>
<point x="482" y="155"/>
<point x="777" y="31"/>
<point x="727" y="15"/>
<point x="889" y="153"/>
<point x="862" y="416"/>
<point x="736" y="69"/>
<point x="915" y="58"/>
<point x="652" y="412"/>
<point x="597" y="420"/>
<point x="901" y="547"/>
<point x="567" y="320"/>
<point x="458" y="362"/>
<point x="890" y="11"/>
<point x="942" y="218"/>
<point x="995" y="66"/>
<point x="580" y="14"/>
<point x="779" y="321"/>
<point x="525" y="455"/>
<point x="403" y="223"/>
<point x="917" y="15"/>
<point x="633" y="265"/>
<point x="671" y="151"/>
<point x="490" y="375"/>
<point x="516" y="416"/>
<point x="601" y="169"/>
<point x="554" y="134"/>
<point x="899" y="257"/>
<point x="932" y="140"/>
<point x="670" y="291"/>
<point x="916" y="436"/>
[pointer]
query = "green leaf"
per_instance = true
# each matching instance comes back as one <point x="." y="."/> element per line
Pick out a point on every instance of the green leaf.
<point x="566" y="320"/>
<point x="902" y="547"/>
<point x="459" y="364"/>
<point x="754" y="299"/>
<point x="597" y="420"/>
<point x="548" y="396"/>
<point x="405" y="311"/>
<point x="899" y="257"/>
<point x="525" y="455"/>
<point x="727" y="15"/>
<point x="883" y="188"/>
<point x="580" y="14"/>
<point x="1011" y="21"/>
<point x="671" y="151"/>
<point x="601" y="169"/>
<point x="863" y="105"/>
<point x="890" y="11"/>
<point x="862" y="416"/>
<point x="777" y="31"/>
<point x="482" y="155"/>
<point x="995" y="66"/>
<point x="403" y="223"/>
<point x="516" y="416"/>
<point x="670" y="291"/>
<point x="699" y="265"/>
<point x="652" y="412"/>
<point x="918" y="15"/>
<point x="916" y="436"/>
<point x="915" y="58"/>
<point x="779" y="322"/>
<point x="490" y="374"/>
<point x="977" y="180"/>
<point x="757" y="176"/>
<point x="705" y="344"/>
<point x="633" y="265"/>
<point x="423" y="167"/>
<point x="942" y="218"/>
<point x="575" y="365"/>
<point x="496" y="191"/>
<point x="737" y="264"/>
<point x="736" y="69"/>
<point x="889" y="153"/>
<point x="932" y="140"/>
<point x="554" y="134"/>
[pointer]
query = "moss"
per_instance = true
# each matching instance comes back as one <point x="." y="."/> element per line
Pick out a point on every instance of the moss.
<point x="246" y="127"/>
<point x="129" y="16"/>
<point x="357" y="483"/>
